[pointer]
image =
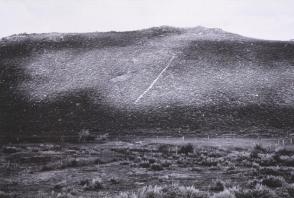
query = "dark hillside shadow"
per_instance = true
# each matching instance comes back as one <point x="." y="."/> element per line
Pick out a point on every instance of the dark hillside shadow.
<point x="226" y="54"/>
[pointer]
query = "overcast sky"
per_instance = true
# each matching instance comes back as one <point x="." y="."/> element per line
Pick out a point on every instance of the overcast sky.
<point x="267" y="19"/>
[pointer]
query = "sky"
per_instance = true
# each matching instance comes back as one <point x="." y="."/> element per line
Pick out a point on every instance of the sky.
<point x="265" y="19"/>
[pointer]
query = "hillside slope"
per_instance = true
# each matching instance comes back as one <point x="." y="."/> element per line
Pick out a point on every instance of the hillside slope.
<point x="59" y="84"/>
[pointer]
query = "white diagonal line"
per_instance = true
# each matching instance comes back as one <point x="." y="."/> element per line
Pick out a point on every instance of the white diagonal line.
<point x="154" y="81"/>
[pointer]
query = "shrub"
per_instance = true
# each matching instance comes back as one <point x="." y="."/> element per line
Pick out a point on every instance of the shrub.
<point x="257" y="149"/>
<point x="189" y="192"/>
<point x="284" y="151"/>
<point x="290" y="190"/>
<point x="287" y="161"/>
<point x="173" y="191"/>
<point x="273" y="181"/>
<point x="259" y="192"/>
<point x="260" y="148"/>
<point x="268" y="160"/>
<point x="156" y="167"/>
<point x="253" y="183"/>
<point x="186" y="149"/>
<point x="166" y="164"/>
<point x="291" y="177"/>
<point x="271" y="171"/>
<point x="70" y="163"/>
<point x="164" y="149"/>
<point x="92" y="185"/>
<point x="114" y="181"/>
<point x="4" y="194"/>
<point x="67" y="163"/>
<point x="63" y="193"/>
<point x="224" y="194"/>
<point x="85" y="135"/>
<point x="217" y="186"/>
<point x="152" y="161"/>
<point x="144" y="164"/>
<point x="209" y="161"/>
<point x="60" y="186"/>
<point x="176" y="191"/>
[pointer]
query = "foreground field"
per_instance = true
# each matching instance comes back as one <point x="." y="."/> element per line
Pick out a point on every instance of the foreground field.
<point x="159" y="167"/>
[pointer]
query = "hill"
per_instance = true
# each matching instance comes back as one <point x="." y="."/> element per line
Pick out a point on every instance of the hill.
<point x="59" y="84"/>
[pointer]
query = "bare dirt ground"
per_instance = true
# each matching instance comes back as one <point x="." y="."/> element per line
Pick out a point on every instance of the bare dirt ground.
<point x="106" y="168"/>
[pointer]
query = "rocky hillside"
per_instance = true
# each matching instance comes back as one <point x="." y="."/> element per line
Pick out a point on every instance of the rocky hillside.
<point x="59" y="84"/>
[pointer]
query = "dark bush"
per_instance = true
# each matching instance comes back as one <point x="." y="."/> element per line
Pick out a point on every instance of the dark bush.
<point x="114" y="181"/>
<point x="291" y="177"/>
<point x="217" y="186"/>
<point x="164" y="149"/>
<point x="289" y="162"/>
<point x="271" y="171"/>
<point x="93" y="185"/>
<point x="156" y="167"/>
<point x="259" y="192"/>
<point x="257" y="150"/>
<point x="284" y="151"/>
<point x="268" y="161"/>
<point x="166" y="164"/>
<point x="152" y="161"/>
<point x="4" y="194"/>
<point x="209" y="162"/>
<point x="290" y="190"/>
<point x="273" y="181"/>
<point x="144" y="165"/>
<point x="186" y="149"/>
<point x="253" y="183"/>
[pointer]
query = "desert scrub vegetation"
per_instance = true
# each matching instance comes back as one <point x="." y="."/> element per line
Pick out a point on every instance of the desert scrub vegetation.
<point x="259" y="191"/>
<point x="290" y="190"/>
<point x="217" y="186"/>
<point x="4" y="194"/>
<point x="95" y="184"/>
<point x="173" y="191"/>
<point x="177" y="191"/>
<point x="267" y="174"/>
<point x="69" y="163"/>
<point x="165" y="149"/>
<point x="257" y="149"/>
<point x="274" y="181"/>
<point x="224" y="194"/>
<point x="186" y="149"/>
